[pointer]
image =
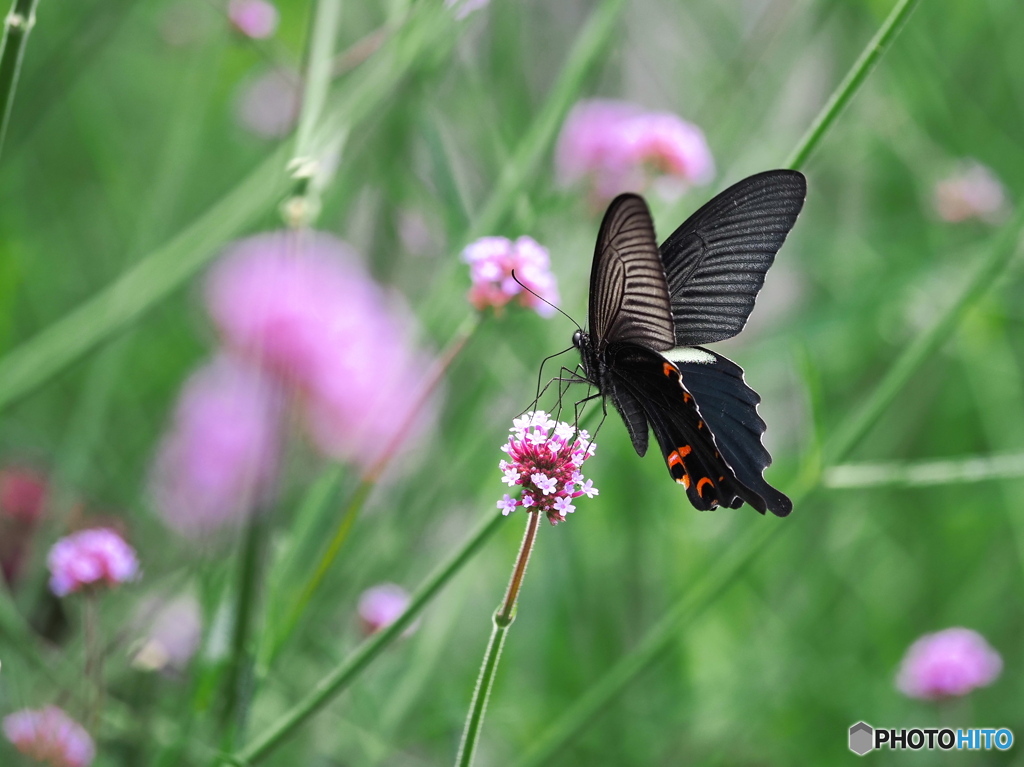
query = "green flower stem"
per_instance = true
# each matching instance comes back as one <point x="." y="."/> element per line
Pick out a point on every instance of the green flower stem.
<point x="323" y="33"/>
<point x="17" y="26"/>
<point x="503" y="618"/>
<point x="338" y="679"/>
<point x="239" y="664"/>
<point x="854" y="78"/>
<point x="925" y="473"/>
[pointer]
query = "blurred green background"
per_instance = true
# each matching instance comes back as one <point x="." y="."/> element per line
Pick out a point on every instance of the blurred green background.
<point x="123" y="135"/>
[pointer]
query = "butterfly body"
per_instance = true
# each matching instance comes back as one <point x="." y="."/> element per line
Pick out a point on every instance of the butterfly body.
<point x="651" y="309"/>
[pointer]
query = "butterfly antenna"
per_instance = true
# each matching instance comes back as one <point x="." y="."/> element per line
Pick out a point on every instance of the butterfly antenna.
<point x="541" y="298"/>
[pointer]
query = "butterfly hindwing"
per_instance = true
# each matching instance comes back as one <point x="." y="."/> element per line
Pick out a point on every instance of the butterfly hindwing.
<point x="729" y="407"/>
<point x="715" y="262"/>
<point x="687" y="441"/>
<point x="629" y="298"/>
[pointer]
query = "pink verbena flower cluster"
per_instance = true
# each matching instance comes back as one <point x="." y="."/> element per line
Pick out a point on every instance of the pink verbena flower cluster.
<point x="972" y="191"/>
<point x="49" y="735"/>
<point x="948" y="663"/>
<point x="382" y="605"/>
<point x="491" y="263"/>
<point x="620" y="147"/>
<point x="23" y="496"/>
<point x="88" y="558"/>
<point x="256" y="19"/>
<point x="545" y="460"/>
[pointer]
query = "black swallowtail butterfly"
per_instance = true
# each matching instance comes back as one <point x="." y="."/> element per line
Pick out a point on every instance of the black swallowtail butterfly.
<point x="651" y="309"/>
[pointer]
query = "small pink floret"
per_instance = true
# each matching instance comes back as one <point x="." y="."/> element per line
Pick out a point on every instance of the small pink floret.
<point x="49" y="735"/>
<point x="382" y="605"/>
<point x="98" y="556"/>
<point x="948" y="663"/>
<point x="492" y="260"/>
<point x="254" y="18"/>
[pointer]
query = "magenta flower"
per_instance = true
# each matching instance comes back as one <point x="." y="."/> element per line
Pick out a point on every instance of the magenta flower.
<point x="253" y="18"/>
<point x="973" y="191"/>
<point x="619" y="147"/>
<point x="305" y="309"/>
<point x="546" y="457"/>
<point x="49" y="735"/>
<point x="948" y="663"/>
<point x="267" y="105"/>
<point x="219" y="459"/>
<point x="88" y="558"/>
<point x="380" y="606"/>
<point x="491" y="263"/>
<point x="23" y="494"/>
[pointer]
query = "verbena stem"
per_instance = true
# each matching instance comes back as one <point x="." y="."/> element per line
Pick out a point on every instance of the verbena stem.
<point x="239" y="663"/>
<point x="502" y="620"/>
<point x="17" y="26"/>
<point x="858" y="72"/>
<point x="338" y="679"/>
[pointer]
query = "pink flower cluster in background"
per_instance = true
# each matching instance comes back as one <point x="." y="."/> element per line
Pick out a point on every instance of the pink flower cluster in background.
<point x="381" y="605"/>
<point x="620" y="147"/>
<point x="948" y="663"/>
<point x="301" y="320"/>
<point x="220" y="456"/>
<point x="50" y="736"/>
<point x="23" y="494"/>
<point x="88" y="558"/>
<point x="973" y="191"/>
<point x="253" y="18"/>
<point x="491" y="263"/>
<point x="545" y="460"/>
<point x="267" y="105"/>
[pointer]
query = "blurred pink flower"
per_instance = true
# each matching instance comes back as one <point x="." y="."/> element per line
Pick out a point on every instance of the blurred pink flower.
<point x="253" y="18"/>
<point x="268" y="104"/>
<point x="49" y="735"/>
<point x="948" y="663"/>
<point x="491" y="262"/>
<point x="620" y="147"/>
<point x="973" y="191"/>
<point x="547" y="456"/>
<point x="381" y="605"/>
<point x="305" y="309"/>
<point x="172" y="631"/>
<point x="23" y="494"/>
<point x="219" y="459"/>
<point x="88" y="558"/>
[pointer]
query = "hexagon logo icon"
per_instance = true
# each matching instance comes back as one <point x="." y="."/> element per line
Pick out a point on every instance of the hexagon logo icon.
<point x="862" y="738"/>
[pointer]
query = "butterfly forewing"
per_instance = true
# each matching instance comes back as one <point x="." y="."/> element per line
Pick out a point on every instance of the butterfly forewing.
<point x="629" y="298"/>
<point x="715" y="262"/>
